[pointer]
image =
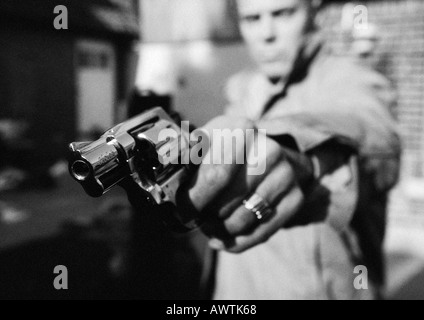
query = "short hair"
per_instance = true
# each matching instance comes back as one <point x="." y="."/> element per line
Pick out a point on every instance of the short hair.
<point x="316" y="4"/>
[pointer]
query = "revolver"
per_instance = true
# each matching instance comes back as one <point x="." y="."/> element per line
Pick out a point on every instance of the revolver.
<point x="132" y="156"/>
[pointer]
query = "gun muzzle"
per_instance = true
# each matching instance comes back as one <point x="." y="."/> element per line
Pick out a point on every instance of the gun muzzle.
<point x="81" y="170"/>
<point x="97" y="166"/>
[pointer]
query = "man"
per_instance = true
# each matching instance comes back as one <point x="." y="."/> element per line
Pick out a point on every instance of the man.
<point x="299" y="230"/>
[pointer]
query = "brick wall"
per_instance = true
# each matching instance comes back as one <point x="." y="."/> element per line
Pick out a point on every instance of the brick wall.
<point x="400" y="56"/>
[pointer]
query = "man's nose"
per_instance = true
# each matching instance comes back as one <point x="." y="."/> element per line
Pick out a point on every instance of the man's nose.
<point x="268" y="29"/>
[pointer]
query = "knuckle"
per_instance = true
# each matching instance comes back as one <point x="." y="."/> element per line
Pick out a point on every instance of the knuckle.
<point x="216" y="175"/>
<point x="295" y="200"/>
<point x="263" y="238"/>
<point x="288" y="171"/>
<point x="237" y="225"/>
<point x="226" y="122"/>
<point x="298" y="196"/>
<point x="221" y="122"/>
<point x="272" y="147"/>
<point x="233" y="228"/>
<point x="244" y="124"/>
<point x="236" y="250"/>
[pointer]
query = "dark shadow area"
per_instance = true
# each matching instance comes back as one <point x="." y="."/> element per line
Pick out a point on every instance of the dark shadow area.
<point x="85" y="16"/>
<point x="104" y="260"/>
<point x="26" y="271"/>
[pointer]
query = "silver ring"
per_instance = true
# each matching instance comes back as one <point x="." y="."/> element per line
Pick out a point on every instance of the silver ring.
<point x="258" y="206"/>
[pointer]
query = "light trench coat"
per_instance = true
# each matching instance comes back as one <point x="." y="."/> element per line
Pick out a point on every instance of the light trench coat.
<point x="329" y="98"/>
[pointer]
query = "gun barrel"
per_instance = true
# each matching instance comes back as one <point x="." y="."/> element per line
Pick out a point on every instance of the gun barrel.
<point x="80" y="170"/>
<point x="96" y="166"/>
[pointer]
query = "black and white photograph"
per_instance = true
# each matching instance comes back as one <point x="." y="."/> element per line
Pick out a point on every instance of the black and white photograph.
<point x="211" y="154"/>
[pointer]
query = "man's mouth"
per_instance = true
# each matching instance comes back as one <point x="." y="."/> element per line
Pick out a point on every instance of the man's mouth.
<point x="271" y="57"/>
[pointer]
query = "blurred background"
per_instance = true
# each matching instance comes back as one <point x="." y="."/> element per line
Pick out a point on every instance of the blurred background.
<point x="115" y="58"/>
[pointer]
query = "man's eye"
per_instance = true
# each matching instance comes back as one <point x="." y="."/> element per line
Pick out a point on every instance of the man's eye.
<point x="284" y="12"/>
<point x="251" y="18"/>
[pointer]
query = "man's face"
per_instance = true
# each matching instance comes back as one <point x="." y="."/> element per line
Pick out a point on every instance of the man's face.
<point x="274" y="31"/>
